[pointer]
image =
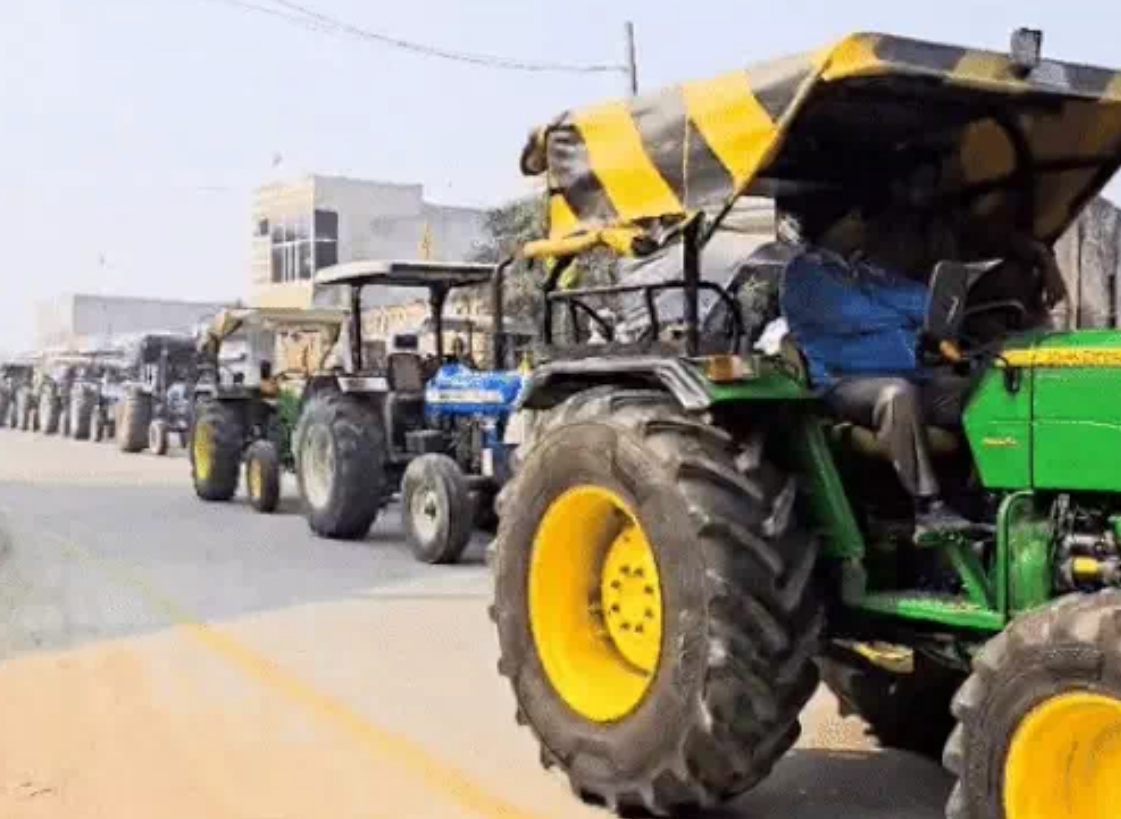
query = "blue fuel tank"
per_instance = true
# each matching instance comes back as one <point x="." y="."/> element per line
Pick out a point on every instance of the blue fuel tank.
<point x="459" y="390"/>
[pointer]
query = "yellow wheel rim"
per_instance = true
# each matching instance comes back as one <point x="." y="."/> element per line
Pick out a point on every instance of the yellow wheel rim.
<point x="256" y="478"/>
<point x="1065" y="760"/>
<point x="203" y="451"/>
<point x="595" y="603"/>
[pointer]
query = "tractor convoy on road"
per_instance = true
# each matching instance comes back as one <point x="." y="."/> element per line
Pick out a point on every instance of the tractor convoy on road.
<point x="690" y="536"/>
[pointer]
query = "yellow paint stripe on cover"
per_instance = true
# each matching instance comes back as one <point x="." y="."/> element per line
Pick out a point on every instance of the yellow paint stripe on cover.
<point x="622" y="166"/>
<point x="733" y="123"/>
<point x="562" y="221"/>
<point x="1065" y="357"/>
<point x="852" y="57"/>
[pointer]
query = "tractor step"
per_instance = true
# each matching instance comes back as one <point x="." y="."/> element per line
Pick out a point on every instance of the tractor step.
<point x="947" y="609"/>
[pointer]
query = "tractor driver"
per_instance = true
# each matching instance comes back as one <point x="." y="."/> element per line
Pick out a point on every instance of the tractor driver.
<point x="897" y="407"/>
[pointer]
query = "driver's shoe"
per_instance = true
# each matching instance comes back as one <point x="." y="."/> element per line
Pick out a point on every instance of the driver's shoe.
<point x="938" y="518"/>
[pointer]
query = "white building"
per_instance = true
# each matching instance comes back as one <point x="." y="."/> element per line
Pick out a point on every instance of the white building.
<point x="300" y="227"/>
<point x="76" y="320"/>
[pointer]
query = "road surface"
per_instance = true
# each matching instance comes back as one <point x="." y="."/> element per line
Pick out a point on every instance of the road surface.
<point x="164" y="657"/>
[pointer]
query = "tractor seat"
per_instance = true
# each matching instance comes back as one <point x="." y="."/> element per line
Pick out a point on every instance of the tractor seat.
<point x="943" y="442"/>
<point x="856" y="438"/>
<point x="405" y="373"/>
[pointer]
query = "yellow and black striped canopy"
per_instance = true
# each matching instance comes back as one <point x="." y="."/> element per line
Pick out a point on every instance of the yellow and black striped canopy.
<point x="1014" y="148"/>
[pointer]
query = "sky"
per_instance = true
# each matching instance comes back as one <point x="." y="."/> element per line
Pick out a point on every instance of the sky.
<point x="133" y="132"/>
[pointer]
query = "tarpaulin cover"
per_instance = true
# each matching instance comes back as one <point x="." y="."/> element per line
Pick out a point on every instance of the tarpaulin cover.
<point x="841" y="116"/>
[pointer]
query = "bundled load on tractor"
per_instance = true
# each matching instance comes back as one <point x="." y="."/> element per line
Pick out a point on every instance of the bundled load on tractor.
<point x="431" y="425"/>
<point x="246" y="406"/>
<point x="873" y="453"/>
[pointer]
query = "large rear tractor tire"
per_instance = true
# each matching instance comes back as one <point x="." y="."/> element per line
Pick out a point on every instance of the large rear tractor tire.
<point x="905" y="711"/>
<point x="83" y="404"/>
<point x="654" y="603"/>
<point x="23" y="410"/>
<point x="134" y="418"/>
<point x="50" y="413"/>
<point x="340" y="465"/>
<point x="437" y="508"/>
<point x="214" y="448"/>
<point x="1039" y="720"/>
<point x="262" y="476"/>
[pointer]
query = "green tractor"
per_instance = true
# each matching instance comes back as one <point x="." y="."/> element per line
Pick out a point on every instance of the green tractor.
<point x="245" y="407"/>
<point x="692" y="539"/>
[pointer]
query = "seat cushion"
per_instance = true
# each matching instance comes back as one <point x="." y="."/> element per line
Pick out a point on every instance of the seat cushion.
<point x="860" y="439"/>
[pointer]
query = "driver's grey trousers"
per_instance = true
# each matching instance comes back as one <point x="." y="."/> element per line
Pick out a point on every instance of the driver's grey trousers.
<point x="899" y="411"/>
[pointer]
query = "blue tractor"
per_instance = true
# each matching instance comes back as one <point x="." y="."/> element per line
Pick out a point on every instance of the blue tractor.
<point x="430" y="426"/>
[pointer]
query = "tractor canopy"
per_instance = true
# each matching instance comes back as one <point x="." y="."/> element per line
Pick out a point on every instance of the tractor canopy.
<point x="995" y="144"/>
<point x="327" y="321"/>
<point x="420" y="273"/>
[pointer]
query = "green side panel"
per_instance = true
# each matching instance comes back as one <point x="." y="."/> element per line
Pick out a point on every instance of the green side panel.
<point x="1024" y="534"/>
<point x="767" y="386"/>
<point x="822" y="484"/>
<point x="998" y="427"/>
<point x="1030" y="580"/>
<point x="1080" y="339"/>
<point x="957" y="612"/>
<point x="1077" y="442"/>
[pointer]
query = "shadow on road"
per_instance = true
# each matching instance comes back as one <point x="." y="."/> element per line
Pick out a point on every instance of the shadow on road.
<point x="815" y="783"/>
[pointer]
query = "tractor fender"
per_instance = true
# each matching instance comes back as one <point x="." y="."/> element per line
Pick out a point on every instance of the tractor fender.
<point x="554" y="382"/>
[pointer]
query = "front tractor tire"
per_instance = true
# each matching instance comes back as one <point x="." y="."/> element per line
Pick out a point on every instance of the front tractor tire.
<point x="158" y="437"/>
<point x="214" y="448"/>
<point x="262" y="476"/>
<point x="133" y="421"/>
<point x="437" y="508"/>
<point x="340" y="464"/>
<point x="653" y="597"/>
<point x="1039" y="720"/>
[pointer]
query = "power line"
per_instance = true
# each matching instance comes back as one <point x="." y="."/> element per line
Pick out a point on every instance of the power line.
<point x="305" y="17"/>
<point x="299" y="20"/>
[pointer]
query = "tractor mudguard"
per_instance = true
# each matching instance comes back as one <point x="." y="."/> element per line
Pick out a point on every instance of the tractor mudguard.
<point x="552" y="383"/>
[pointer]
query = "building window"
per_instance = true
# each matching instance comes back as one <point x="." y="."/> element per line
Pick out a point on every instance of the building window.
<point x="292" y="243"/>
<point x="326" y="225"/>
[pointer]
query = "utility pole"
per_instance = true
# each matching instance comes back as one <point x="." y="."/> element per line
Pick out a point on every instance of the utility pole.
<point x="632" y="62"/>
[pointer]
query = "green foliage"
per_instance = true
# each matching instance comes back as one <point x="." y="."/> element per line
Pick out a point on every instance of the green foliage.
<point x="510" y="226"/>
<point x="288" y="413"/>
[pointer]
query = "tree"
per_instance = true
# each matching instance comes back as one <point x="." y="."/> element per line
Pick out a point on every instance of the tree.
<point x="508" y="227"/>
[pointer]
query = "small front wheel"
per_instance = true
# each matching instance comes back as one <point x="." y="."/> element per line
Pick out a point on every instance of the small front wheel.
<point x="262" y="476"/>
<point x="158" y="437"/>
<point x="437" y="508"/>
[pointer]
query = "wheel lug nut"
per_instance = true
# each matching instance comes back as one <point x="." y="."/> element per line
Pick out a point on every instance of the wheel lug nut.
<point x="638" y="573"/>
<point x="639" y="628"/>
<point x="615" y="608"/>
<point x="626" y="626"/>
<point x="615" y="584"/>
<point x="649" y="590"/>
<point x="650" y="614"/>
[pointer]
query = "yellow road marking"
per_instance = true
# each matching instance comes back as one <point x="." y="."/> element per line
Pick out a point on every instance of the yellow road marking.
<point x="439" y="775"/>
